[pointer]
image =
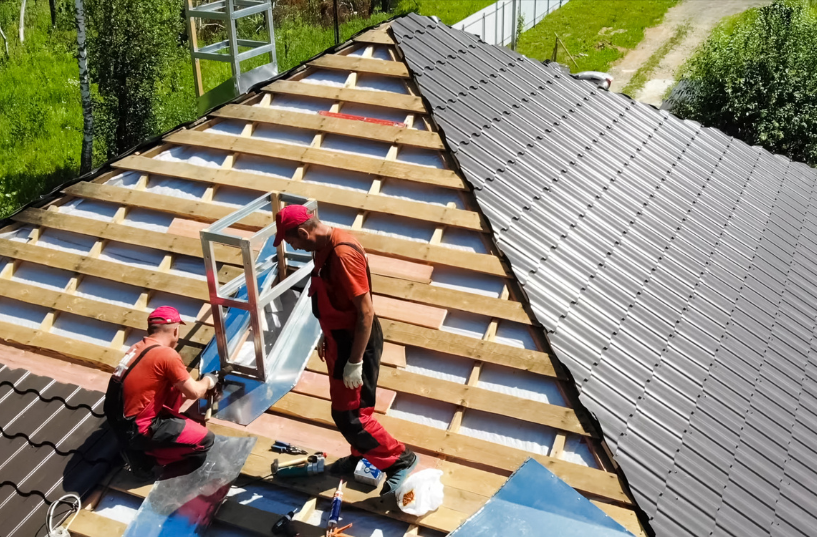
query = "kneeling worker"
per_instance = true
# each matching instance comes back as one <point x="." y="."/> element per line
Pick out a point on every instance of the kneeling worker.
<point x="352" y="341"/>
<point x="145" y="394"/>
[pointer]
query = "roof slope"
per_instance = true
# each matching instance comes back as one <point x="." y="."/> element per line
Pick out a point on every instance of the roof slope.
<point x="52" y="440"/>
<point x="673" y="267"/>
<point x="466" y="379"/>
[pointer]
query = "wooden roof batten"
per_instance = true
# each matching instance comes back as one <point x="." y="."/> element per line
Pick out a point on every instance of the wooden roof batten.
<point x="480" y="465"/>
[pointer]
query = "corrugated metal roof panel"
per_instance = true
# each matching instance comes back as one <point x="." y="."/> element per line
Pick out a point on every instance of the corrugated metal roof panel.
<point x="53" y="440"/>
<point x="672" y="266"/>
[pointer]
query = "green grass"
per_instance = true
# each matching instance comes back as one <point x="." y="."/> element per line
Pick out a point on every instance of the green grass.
<point x="643" y="74"/>
<point x="449" y="11"/>
<point x="596" y="32"/>
<point x="40" y="112"/>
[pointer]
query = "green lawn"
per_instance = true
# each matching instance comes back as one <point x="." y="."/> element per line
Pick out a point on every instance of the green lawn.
<point x="449" y="11"/>
<point x="40" y="112"/>
<point x="596" y="32"/>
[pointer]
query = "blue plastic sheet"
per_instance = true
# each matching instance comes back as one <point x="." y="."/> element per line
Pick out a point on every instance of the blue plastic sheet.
<point x="534" y="502"/>
<point x="184" y="506"/>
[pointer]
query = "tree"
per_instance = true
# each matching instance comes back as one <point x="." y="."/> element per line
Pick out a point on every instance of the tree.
<point x="52" y="4"/>
<point x="23" y="21"/>
<point x="5" y="42"/>
<point x="755" y="80"/>
<point x="87" y="158"/>
<point x="131" y="46"/>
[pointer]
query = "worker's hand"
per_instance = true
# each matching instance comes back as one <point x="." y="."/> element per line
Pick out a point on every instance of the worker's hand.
<point x="353" y="375"/>
<point x="322" y="348"/>
<point x="212" y="380"/>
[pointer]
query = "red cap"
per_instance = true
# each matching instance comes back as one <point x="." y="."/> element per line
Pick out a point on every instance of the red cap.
<point x="288" y="218"/>
<point x="165" y="315"/>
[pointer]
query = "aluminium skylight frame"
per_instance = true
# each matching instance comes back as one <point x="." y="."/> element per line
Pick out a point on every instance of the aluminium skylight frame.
<point x="259" y="292"/>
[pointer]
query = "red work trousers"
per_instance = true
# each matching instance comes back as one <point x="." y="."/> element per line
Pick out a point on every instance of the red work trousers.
<point x="352" y="409"/>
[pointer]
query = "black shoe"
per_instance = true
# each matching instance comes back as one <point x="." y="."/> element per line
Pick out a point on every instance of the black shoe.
<point x="344" y="465"/>
<point x="140" y="464"/>
<point x="399" y="471"/>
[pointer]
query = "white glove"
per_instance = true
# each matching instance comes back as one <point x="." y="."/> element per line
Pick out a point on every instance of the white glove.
<point x="353" y="375"/>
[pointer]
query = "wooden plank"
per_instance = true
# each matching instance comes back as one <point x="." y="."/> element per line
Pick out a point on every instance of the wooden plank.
<point x="468" y="347"/>
<point x="90" y="524"/>
<point x="109" y="270"/>
<point x="94" y="309"/>
<point x="210" y="212"/>
<point x="361" y="65"/>
<point x="624" y="516"/>
<point x="409" y="312"/>
<point x="104" y="358"/>
<point x="258" y="521"/>
<point x="429" y="253"/>
<point x="124" y="233"/>
<point x="409" y="103"/>
<point x="315" y="383"/>
<point x="450" y="298"/>
<point x="401" y="381"/>
<point x="314" y="155"/>
<point x="398" y="268"/>
<point x="322" y="193"/>
<point x="377" y="36"/>
<point x="464" y="448"/>
<point x="185" y="208"/>
<point x="393" y="355"/>
<point x="334" y="125"/>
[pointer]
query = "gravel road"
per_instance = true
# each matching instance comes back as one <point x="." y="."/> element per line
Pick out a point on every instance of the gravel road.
<point x="702" y="15"/>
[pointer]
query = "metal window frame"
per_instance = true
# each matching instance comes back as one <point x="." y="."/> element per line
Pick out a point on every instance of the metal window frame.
<point x="223" y="296"/>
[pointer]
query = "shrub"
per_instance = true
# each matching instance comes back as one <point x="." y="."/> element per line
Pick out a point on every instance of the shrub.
<point x="755" y="80"/>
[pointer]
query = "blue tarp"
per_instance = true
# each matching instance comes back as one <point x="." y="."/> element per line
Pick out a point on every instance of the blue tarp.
<point x="534" y="502"/>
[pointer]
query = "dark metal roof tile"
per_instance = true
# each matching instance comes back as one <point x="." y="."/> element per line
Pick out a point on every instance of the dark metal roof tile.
<point x="672" y="264"/>
<point x="53" y="440"/>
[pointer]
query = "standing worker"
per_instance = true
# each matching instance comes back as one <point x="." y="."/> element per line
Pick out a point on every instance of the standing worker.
<point x="145" y="394"/>
<point x="352" y="341"/>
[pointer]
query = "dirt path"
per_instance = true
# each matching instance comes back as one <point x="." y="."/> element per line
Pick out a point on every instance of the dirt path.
<point x="702" y="15"/>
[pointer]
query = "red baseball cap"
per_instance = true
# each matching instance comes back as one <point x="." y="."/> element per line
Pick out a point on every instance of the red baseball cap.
<point x="288" y="218"/>
<point x="165" y="315"/>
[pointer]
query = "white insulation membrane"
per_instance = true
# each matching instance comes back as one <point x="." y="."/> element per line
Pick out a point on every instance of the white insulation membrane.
<point x="108" y="291"/>
<point x="21" y="313"/>
<point x="84" y="329"/>
<point x="96" y="210"/>
<point x="306" y="105"/>
<point x="438" y="365"/>
<point x="507" y="431"/>
<point x="422" y="410"/>
<point x="468" y="281"/>
<point x="381" y="83"/>
<point x="42" y="276"/>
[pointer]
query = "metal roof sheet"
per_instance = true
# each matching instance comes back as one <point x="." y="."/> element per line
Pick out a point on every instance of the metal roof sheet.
<point x="672" y="266"/>
<point x="53" y="440"/>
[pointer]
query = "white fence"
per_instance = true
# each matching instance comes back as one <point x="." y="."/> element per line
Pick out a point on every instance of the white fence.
<point x="496" y="24"/>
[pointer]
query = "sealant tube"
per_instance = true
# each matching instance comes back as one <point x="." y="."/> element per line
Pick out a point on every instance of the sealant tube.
<point x="334" y="515"/>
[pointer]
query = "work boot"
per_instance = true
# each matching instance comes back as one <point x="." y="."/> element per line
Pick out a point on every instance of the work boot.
<point x="344" y="465"/>
<point x="399" y="471"/>
<point x="140" y="464"/>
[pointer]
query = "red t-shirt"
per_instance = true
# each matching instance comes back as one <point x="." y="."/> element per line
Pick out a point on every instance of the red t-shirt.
<point x="345" y="272"/>
<point x="149" y="387"/>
